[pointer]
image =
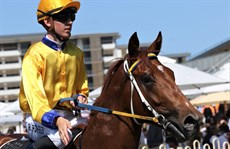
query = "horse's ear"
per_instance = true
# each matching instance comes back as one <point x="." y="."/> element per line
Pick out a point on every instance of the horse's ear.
<point x="155" y="47"/>
<point x="133" y="45"/>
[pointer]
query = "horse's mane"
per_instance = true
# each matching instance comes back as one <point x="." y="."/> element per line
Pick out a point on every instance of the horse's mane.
<point x="112" y="70"/>
<point x="114" y="67"/>
<point x="110" y="73"/>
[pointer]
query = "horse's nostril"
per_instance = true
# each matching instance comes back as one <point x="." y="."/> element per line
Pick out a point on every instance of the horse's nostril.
<point x="190" y="119"/>
<point x="189" y="123"/>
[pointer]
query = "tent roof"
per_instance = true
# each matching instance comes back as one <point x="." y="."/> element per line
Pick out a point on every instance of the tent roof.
<point x="190" y="78"/>
<point x="95" y="93"/>
<point x="164" y="59"/>
<point x="223" y="73"/>
<point x="212" y="98"/>
<point x="12" y="107"/>
<point x="11" y="119"/>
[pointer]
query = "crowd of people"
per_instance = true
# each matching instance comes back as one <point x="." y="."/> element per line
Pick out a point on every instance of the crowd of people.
<point x="216" y="125"/>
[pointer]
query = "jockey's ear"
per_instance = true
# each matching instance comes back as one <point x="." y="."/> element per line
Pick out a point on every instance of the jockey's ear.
<point x="155" y="47"/>
<point x="133" y="45"/>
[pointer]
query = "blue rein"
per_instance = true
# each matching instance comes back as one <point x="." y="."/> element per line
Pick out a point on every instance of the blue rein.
<point x="81" y="105"/>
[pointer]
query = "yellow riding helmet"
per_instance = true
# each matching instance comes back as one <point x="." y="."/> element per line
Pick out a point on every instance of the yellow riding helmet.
<point x="49" y="7"/>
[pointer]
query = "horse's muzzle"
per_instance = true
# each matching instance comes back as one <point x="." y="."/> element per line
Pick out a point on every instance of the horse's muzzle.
<point x="189" y="130"/>
<point x="191" y="126"/>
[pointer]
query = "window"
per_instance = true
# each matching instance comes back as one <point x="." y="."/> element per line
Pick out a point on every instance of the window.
<point x="9" y="46"/>
<point x="106" y="40"/>
<point x="87" y="56"/>
<point x="88" y="68"/>
<point x="24" y="47"/>
<point x="14" y="74"/>
<point x="90" y="82"/>
<point x="86" y="43"/>
<point x="13" y="87"/>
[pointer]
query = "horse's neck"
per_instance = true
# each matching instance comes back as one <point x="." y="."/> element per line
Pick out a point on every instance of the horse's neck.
<point x="107" y="128"/>
<point x="116" y="93"/>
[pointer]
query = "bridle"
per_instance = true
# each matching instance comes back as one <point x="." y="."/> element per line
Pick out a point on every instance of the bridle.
<point x="167" y="125"/>
<point x="134" y="84"/>
<point x="158" y="118"/>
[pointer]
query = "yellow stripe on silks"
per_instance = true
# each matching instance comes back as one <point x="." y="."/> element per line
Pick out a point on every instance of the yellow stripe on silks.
<point x="154" y="119"/>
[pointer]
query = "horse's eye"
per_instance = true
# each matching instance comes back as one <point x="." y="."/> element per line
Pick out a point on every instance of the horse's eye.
<point x="147" y="80"/>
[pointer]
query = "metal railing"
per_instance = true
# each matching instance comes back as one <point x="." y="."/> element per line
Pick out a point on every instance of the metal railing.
<point x="197" y="145"/>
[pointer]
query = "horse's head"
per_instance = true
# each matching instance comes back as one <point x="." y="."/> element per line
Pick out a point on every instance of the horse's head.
<point x="159" y="94"/>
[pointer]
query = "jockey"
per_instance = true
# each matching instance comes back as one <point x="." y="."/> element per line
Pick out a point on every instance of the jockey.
<point x="53" y="68"/>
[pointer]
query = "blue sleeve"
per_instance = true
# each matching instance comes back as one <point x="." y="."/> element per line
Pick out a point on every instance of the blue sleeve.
<point x="48" y="119"/>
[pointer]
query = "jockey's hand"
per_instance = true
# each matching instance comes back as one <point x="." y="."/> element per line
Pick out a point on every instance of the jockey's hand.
<point x="63" y="126"/>
<point x="80" y="99"/>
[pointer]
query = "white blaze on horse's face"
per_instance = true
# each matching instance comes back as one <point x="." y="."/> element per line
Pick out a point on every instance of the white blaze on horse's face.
<point x="160" y="67"/>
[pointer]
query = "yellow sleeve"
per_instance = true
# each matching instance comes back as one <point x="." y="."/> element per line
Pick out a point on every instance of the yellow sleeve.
<point x="33" y="86"/>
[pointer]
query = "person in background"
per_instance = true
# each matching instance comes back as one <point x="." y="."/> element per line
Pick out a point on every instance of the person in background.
<point x="211" y="133"/>
<point x="223" y="133"/>
<point x="154" y="136"/>
<point x="209" y="113"/>
<point x="228" y="116"/>
<point x="221" y="113"/>
<point x="11" y="130"/>
<point x="53" y="69"/>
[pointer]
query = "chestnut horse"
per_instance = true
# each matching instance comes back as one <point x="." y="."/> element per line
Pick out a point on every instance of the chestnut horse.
<point x="138" y="84"/>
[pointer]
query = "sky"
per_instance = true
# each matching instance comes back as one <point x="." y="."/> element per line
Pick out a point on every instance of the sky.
<point x="192" y="26"/>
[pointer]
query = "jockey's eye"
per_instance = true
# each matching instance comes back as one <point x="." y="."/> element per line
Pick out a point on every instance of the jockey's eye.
<point x="147" y="80"/>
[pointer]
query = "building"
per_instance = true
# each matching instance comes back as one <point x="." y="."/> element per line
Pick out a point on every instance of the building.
<point x="99" y="52"/>
<point x="212" y="59"/>
<point x="179" y="57"/>
<point x="99" y="49"/>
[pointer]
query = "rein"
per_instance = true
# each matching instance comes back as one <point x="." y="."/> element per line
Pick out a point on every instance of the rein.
<point x="106" y="110"/>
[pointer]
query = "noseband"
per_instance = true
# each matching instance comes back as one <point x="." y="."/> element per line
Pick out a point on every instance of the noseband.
<point x="167" y="125"/>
